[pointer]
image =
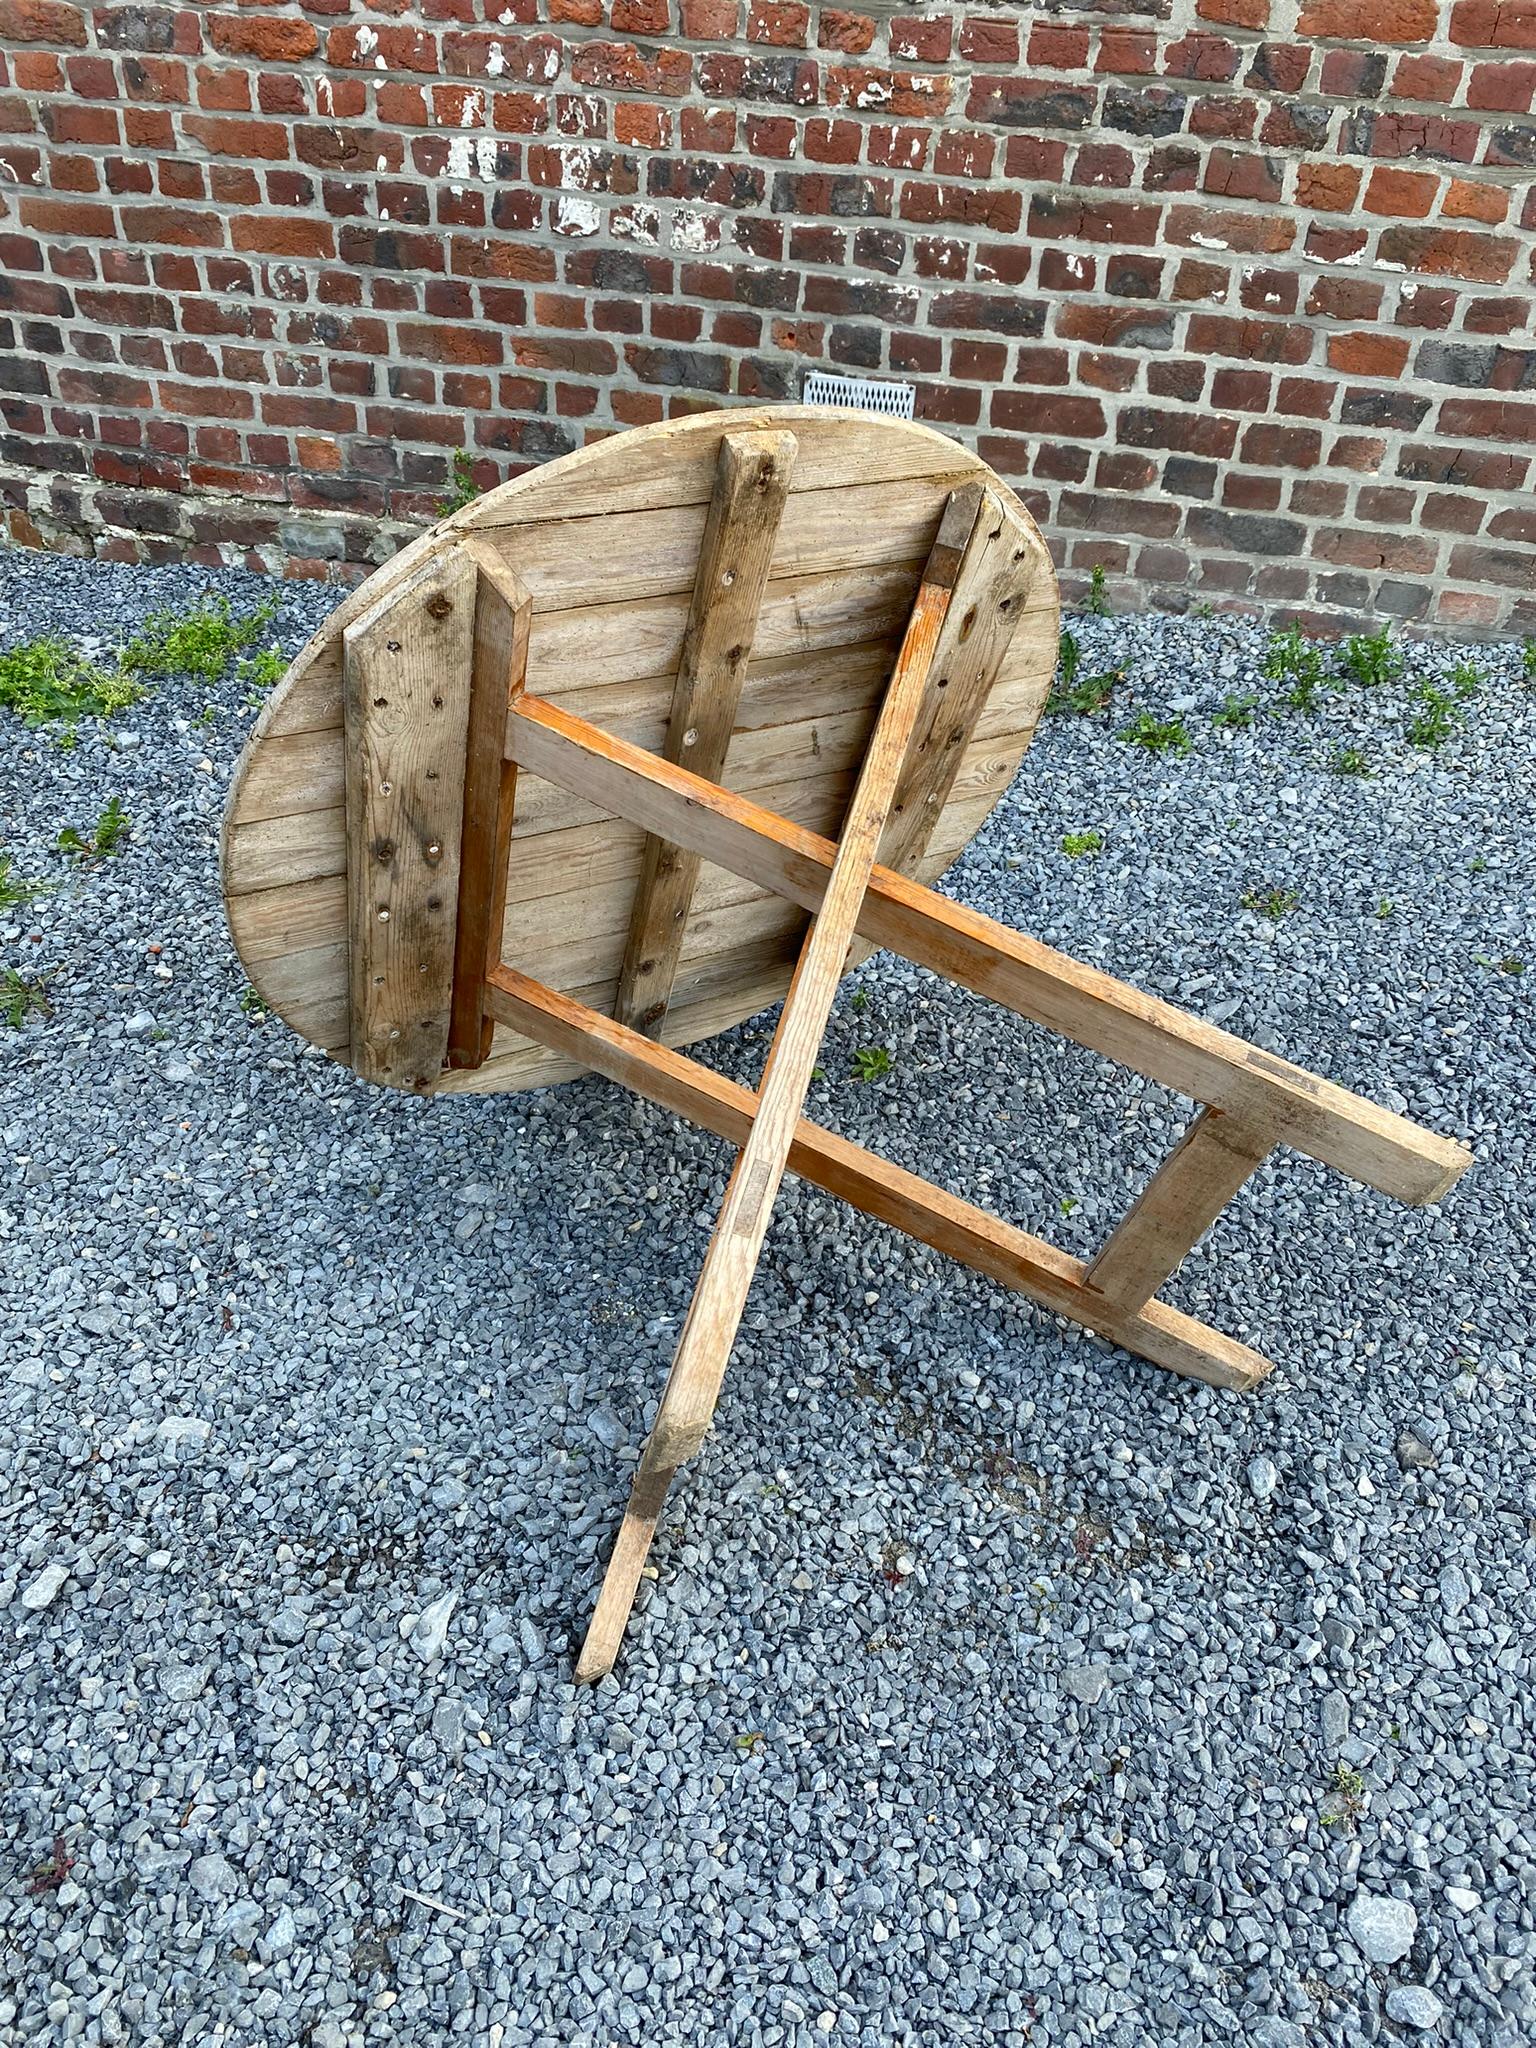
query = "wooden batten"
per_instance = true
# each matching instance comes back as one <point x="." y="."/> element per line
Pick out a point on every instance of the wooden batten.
<point x="751" y="484"/>
<point x="503" y="609"/>
<point x="406" y="685"/>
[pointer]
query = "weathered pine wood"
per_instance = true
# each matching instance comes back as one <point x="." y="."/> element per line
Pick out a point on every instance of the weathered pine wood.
<point x="503" y="610"/>
<point x="1212" y="1160"/>
<point x="944" y="1222"/>
<point x="993" y="585"/>
<point x="751" y="484"/>
<point x="1181" y="1052"/>
<point x="719" y="1299"/>
<point x="407" y="672"/>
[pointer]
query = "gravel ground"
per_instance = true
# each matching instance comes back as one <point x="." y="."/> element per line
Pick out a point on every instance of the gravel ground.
<point x="994" y="1687"/>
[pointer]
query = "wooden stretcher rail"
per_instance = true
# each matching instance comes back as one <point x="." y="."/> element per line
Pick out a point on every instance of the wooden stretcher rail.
<point x="1165" y="1044"/>
<point x="942" y="1221"/>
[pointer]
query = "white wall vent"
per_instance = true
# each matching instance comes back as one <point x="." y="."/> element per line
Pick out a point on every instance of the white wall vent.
<point x="864" y="394"/>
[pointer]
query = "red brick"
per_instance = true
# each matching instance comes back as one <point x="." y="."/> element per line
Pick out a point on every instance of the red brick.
<point x="1408" y="194"/>
<point x="1250" y="14"/>
<point x="1449" y="252"/>
<point x="1327" y="188"/>
<point x="1467" y="201"/>
<point x="283" y="40"/>
<point x="1426" y="78"/>
<point x="1494" y="24"/>
<point x="1368" y="21"/>
<point x="986" y="40"/>
<point x="840" y="29"/>
<point x="1368" y="355"/>
<point x="1503" y="88"/>
<point x="1128" y="52"/>
<point x="41" y="21"/>
<point x="784" y="23"/>
<point x="1058" y="49"/>
<point x="916" y="40"/>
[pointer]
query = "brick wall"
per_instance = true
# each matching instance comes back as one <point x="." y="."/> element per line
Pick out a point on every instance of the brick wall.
<point x="1238" y="292"/>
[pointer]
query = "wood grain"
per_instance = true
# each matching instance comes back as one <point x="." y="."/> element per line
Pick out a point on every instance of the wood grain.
<point x="407" y="676"/>
<point x="735" y="554"/>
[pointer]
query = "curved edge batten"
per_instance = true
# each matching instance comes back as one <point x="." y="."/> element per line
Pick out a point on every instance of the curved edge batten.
<point x="660" y="469"/>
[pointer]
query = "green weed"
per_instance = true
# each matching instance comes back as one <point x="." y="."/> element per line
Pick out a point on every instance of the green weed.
<point x="1271" y="903"/>
<point x="1157" y="735"/>
<point x="1385" y="907"/>
<point x="871" y="1063"/>
<point x="260" y="671"/>
<point x="1466" y="679"/>
<point x="1351" y="761"/>
<point x="1348" y="1790"/>
<point x="106" y="836"/>
<point x="252" y="1004"/>
<point x="1372" y="658"/>
<point x="1435" y="720"/>
<point x="859" y="1000"/>
<point x="1291" y="658"/>
<point x="1075" y="844"/>
<point x="1096" y="602"/>
<point x="462" y="489"/>
<point x="1235" y="711"/>
<point x="202" y="641"/>
<point x="49" y="682"/>
<point x="13" y="890"/>
<point x="1077" y="692"/>
<point x="20" y="998"/>
<point x="1528" y="661"/>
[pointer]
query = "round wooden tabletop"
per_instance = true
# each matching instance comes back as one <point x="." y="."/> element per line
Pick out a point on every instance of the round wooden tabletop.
<point x="607" y="543"/>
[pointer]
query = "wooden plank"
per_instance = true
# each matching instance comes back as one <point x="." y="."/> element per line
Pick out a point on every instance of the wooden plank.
<point x="944" y="1222"/>
<point x="503" y="609"/>
<point x="751" y="483"/>
<point x="714" y="1315"/>
<point x="994" y="582"/>
<point x="672" y="463"/>
<point x="407" y="677"/>
<point x="1212" y="1160"/>
<point x="628" y="556"/>
<point x="1181" y="1052"/>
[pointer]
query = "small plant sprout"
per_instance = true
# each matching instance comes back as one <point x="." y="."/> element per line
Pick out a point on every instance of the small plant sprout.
<point x="859" y="1000"/>
<point x="202" y="641"/>
<point x="1076" y="844"/>
<point x="1271" y="903"/>
<point x="1236" y="712"/>
<point x="462" y="489"/>
<point x="1348" y="1793"/>
<point x="1075" y="691"/>
<point x="1157" y="735"/>
<point x="253" y="1005"/>
<point x="1290" y="658"/>
<point x="49" y="682"/>
<point x="1096" y="602"/>
<point x="1528" y="661"/>
<point x="1069" y="1205"/>
<point x="20" y="999"/>
<point x="13" y="890"/>
<point x="1351" y="761"/>
<point x="871" y="1063"/>
<point x="1435" y="720"/>
<point x="259" y="672"/>
<point x="106" y="835"/>
<point x="1385" y="907"/>
<point x="1510" y="965"/>
<point x="1372" y="658"/>
<point x="750" y="1744"/>
<point x="1466" y="679"/>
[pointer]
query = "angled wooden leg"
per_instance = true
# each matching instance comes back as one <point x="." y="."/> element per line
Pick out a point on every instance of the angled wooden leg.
<point x="714" y="1316"/>
<point x="1178" y="1205"/>
<point x="621" y="1581"/>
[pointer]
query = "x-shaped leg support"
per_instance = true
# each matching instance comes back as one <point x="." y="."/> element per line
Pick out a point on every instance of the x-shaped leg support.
<point x="1251" y="1100"/>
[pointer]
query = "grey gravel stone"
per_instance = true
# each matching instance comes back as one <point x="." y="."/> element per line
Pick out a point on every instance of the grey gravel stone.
<point x="1383" y="1927"/>
<point x="840" y="1768"/>
<point x="1086" y="1682"/>
<point x="1414" y="2005"/>
<point x="46" y="1587"/>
